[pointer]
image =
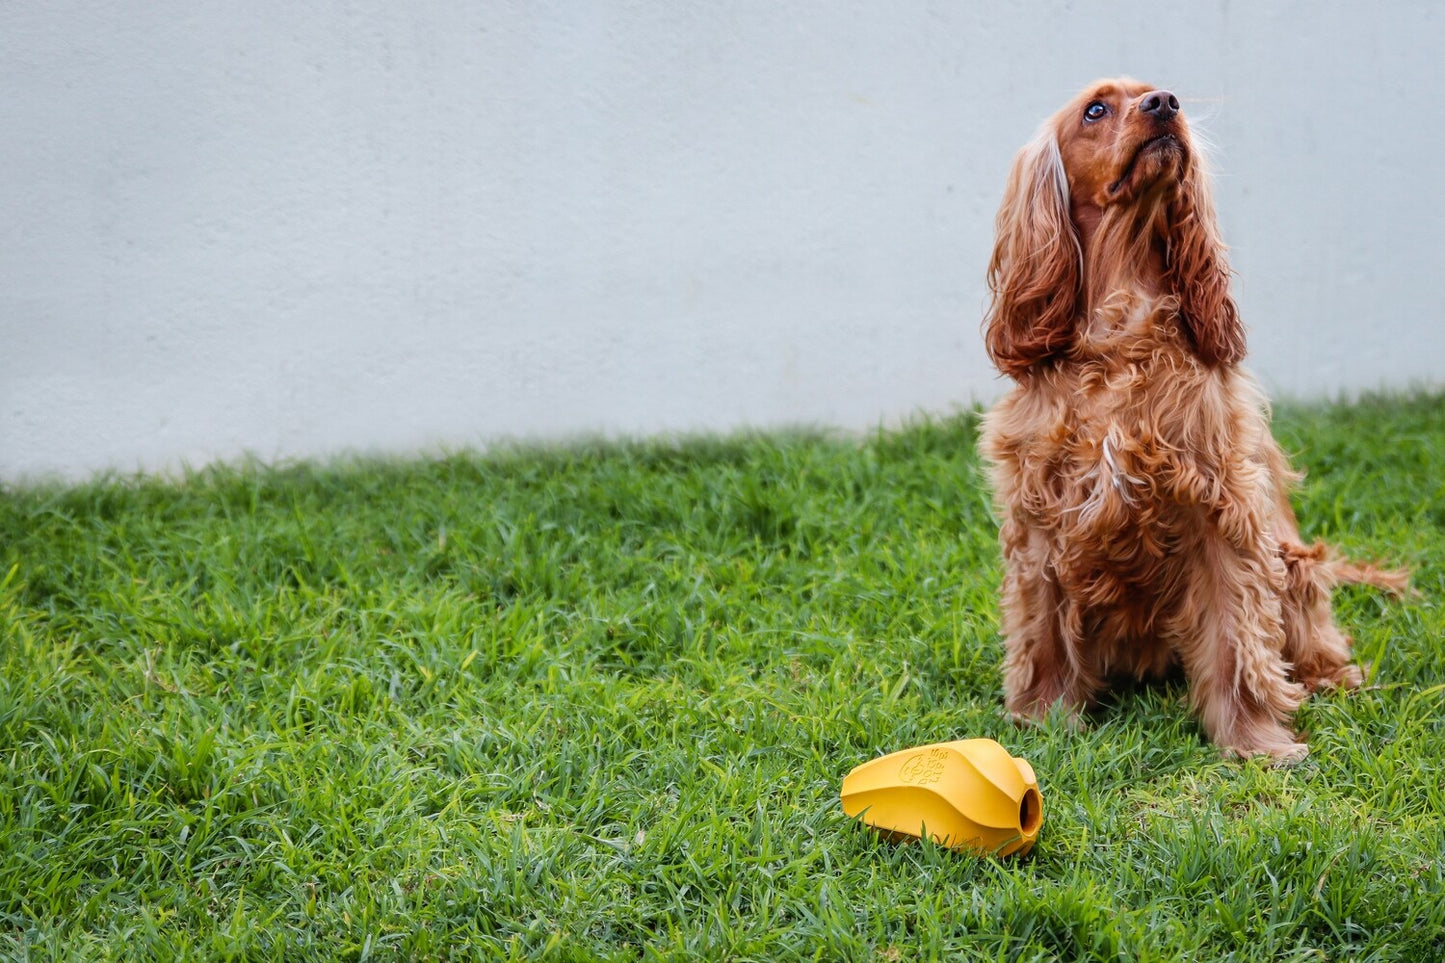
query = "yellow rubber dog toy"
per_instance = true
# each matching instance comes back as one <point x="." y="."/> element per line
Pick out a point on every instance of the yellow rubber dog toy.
<point x="969" y="794"/>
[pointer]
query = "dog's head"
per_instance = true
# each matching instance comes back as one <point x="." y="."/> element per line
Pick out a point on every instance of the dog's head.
<point x="1111" y="191"/>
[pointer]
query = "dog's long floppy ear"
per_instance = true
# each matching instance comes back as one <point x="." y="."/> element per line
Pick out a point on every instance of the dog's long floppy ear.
<point x="1036" y="272"/>
<point x="1198" y="272"/>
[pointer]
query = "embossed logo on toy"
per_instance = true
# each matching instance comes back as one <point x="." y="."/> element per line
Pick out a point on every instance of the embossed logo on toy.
<point x="925" y="768"/>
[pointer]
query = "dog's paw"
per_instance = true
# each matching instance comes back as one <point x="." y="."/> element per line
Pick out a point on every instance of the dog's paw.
<point x="1274" y="754"/>
<point x="1058" y="714"/>
<point x="1344" y="678"/>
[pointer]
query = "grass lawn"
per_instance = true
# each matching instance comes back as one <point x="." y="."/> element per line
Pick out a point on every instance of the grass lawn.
<point x="598" y="702"/>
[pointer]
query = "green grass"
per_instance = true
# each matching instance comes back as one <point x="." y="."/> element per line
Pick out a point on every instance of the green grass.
<point x="598" y="701"/>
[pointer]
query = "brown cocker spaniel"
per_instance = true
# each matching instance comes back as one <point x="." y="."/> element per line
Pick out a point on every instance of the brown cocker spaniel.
<point x="1144" y="505"/>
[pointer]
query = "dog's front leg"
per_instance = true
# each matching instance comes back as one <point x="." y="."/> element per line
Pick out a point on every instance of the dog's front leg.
<point x="1228" y="632"/>
<point x="1046" y="663"/>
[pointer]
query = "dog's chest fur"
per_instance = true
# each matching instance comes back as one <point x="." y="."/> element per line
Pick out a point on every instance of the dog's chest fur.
<point x="1122" y="458"/>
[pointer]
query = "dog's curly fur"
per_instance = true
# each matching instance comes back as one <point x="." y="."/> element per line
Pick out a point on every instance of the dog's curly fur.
<point x="1144" y="506"/>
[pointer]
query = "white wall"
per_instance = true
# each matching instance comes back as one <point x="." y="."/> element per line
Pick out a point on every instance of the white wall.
<point x="303" y="228"/>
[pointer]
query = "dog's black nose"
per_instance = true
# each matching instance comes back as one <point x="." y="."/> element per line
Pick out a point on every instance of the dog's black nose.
<point x="1159" y="104"/>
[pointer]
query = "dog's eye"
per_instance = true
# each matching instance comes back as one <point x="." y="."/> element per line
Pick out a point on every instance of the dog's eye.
<point x="1096" y="111"/>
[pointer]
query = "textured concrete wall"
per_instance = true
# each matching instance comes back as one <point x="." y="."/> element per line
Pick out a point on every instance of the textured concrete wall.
<point x="297" y="229"/>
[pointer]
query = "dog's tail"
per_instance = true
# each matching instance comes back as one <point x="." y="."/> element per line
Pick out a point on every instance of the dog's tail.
<point x="1337" y="570"/>
<point x="1396" y="581"/>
